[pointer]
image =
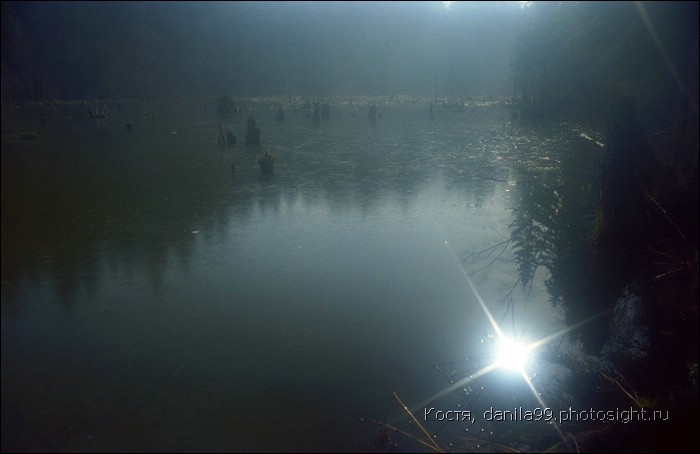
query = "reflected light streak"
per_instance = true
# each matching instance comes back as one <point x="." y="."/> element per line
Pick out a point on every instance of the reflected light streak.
<point x="455" y="386"/>
<point x="664" y="54"/>
<point x="554" y="422"/>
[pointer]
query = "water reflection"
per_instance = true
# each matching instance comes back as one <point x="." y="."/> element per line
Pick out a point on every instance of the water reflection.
<point x="209" y="299"/>
<point x="551" y="230"/>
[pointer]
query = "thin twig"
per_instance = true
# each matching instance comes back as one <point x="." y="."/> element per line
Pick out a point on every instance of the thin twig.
<point x="653" y="200"/>
<point x="495" y="258"/>
<point x="177" y="372"/>
<point x="404" y="433"/>
<point x="486" y="442"/>
<point x="669" y="272"/>
<point x="490" y="248"/>
<point x="621" y="386"/>
<point x="575" y="442"/>
<point x="437" y="448"/>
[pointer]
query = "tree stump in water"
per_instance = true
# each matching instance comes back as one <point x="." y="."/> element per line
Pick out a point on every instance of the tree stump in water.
<point x="266" y="162"/>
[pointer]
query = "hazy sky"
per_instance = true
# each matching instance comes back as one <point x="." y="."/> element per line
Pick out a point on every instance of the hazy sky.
<point x="246" y="48"/>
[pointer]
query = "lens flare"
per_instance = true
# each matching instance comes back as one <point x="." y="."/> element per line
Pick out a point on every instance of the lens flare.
<point x="512" y="355"/>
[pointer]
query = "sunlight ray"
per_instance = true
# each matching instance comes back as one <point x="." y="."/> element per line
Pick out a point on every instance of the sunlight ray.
<point x="455" y="386"/>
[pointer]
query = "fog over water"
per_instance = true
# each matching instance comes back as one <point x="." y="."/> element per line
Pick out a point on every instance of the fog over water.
<point x="148" y="49"/>
<point x="314" y="226"/>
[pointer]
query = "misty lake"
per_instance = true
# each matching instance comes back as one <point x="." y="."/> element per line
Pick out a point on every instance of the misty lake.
<point x="152" y="300"/>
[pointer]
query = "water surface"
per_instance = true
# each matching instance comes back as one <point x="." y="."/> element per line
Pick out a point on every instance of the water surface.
<point x="151" y="300"/>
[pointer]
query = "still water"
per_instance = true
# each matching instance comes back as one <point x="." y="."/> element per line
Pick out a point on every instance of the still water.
<point x="152" y="300"/>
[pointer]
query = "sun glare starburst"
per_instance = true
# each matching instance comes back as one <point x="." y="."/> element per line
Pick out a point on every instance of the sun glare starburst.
<point x="512" y="355"/>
